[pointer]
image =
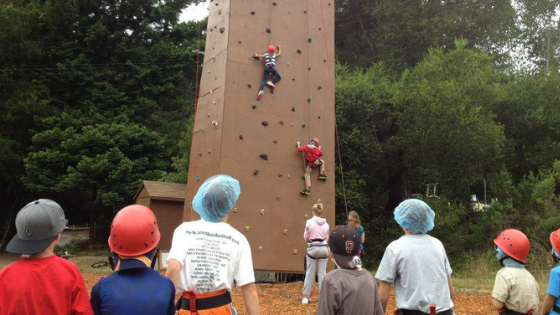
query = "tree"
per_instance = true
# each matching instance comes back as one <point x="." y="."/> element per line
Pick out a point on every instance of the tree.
<point x="447" y="131"/>
<point x="85" y="69"/>
<point x="399" y="33"/>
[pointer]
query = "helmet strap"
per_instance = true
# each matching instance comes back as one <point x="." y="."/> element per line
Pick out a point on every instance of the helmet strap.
<point x="111" y="259"/>
<point x="155" y="257"/>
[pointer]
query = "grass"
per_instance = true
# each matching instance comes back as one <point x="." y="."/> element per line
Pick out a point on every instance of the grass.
<point x="477" y="272"/>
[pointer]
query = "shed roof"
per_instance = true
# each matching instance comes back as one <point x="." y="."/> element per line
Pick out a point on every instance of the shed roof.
<point x="163" y="191"/>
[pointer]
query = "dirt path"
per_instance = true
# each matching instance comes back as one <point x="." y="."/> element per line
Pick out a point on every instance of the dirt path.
<point x="283" y="297"/>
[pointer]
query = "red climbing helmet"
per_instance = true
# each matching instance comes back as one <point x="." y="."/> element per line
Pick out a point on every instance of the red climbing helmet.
<point x="555" y="240"/>
<point x="134" y="231"/>
<point x="315" y="140"/>
<point x="271" y="49"/>
<point x="514" y="244"/>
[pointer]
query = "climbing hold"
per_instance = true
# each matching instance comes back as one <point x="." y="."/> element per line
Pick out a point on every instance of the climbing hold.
<point x="319" y="28"/>
<point x="292" y="124"/>
<point x="288" y="64"/>
<point x="279" y="174"/>
<point x="293" y="79"/>
<point x="220" y="11"/>
<point x="319" y="87"/>
<point x="255" y="172"/>
<point x="247" y="228"/>
<point x="239" y="42"/>
<point x="324" y="60"/>
<point x="288" y="175"/>
<point x="268" y="30"/>
<point x="208" y="116"/>
<point x="293" y="109"/>
<point x="262" y="211"/>
<point x="209" y="151"/>
<point x="249" y="85"/>
<point x="318" y="117"/>
<point x="235" y="210"/>
<point x="222" y="29"/>
<point x="274" y="141"/>
<point x="278" y="197"/>
<point x="254" y="106"/>
<point x="197" y="178"/>
<point x="264" y="123"/>
<point x="273" y="3"/>
<point x="302" y="176"/>
<point x="308" y="100"/>
<point x="295" y="251"/>
<point x="286" y="231"/>
<point x="264" y="156"/>
<point x="199" y="153"/>
<point x="252" y="12"/>
<point x="309" y="39"/>
<point x="309" y="69"/>
<point x="304" y="11"/>
<point x="260" y="248"/>
<point x="299" y="51"/>
<point x="281" y="122"/>
<point x="305" y="216"/>
<point x="215" y="123"/>
<point x="329" y="3"/>
<point x="214" y="101"/>
<point x="241" y="137"/>
<point x="211" y="91"/>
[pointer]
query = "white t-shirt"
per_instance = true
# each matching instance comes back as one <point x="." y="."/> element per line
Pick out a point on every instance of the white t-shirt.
<point x="212" y="256"/>
<point x="417" y="266"/>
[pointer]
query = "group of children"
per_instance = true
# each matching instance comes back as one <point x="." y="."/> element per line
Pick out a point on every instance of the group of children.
<point x="208" y="256"/>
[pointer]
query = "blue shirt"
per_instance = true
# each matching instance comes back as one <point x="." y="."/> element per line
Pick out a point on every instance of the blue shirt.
<point x="554" y="287"/>
<point x="133" y="291"/>
<point x="360" y="233"/>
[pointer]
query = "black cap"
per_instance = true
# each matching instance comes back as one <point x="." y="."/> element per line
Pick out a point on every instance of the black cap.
<point x="345" y="245"/>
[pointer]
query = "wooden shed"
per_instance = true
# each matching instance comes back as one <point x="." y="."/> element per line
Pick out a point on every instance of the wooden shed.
<point x="167" y="202"/>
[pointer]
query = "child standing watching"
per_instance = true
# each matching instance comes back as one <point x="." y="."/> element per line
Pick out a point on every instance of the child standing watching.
<point x="207" y="256"/>
<point x="354" y="221"/>
<point x="515" y="290"/>
<point x="316" y="234"/>
<point x="551" y="303"/>
<point x="416" y="264"/>
<point x="41" y="282"/>
<point x="349" y="290"/>
<point x="133" y="241"/>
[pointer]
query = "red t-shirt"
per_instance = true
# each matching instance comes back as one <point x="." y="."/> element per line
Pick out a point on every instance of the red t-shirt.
<point x="312" y="153"/>
<point x="49" y="285"/>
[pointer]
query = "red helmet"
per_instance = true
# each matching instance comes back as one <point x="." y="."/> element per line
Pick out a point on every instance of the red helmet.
<point x="555" y="240"/>
<point x="134" y="231"/>
<point x="271" y="49"/>
<point x="315" y="140"/>
<point x="514" y="244"/>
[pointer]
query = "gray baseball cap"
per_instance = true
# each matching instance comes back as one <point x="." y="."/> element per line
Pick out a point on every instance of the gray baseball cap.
<point x="37" y="224"/>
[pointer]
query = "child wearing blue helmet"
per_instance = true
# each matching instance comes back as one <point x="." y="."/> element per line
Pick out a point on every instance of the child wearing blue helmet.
<point x="418" y="288"/>
<point x="207" y="256"/>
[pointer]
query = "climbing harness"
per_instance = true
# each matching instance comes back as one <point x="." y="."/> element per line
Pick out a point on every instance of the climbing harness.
<point x="505" y="311"/>
<point x="202" y="301"/>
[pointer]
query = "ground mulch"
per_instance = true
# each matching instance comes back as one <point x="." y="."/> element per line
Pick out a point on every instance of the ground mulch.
<point x="279" y="298"/>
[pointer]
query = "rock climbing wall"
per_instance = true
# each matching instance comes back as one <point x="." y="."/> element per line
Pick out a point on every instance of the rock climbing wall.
<point x="255" y="141"/>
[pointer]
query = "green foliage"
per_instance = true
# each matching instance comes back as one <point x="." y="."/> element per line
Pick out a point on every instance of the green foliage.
<point x="447" y="134"/>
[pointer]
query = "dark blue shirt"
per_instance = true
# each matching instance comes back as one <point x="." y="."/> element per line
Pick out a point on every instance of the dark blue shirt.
<point x="133" y="291"/>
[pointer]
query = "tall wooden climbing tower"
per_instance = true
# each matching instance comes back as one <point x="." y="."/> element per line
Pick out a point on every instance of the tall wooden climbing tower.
<point x="232" y="129"/>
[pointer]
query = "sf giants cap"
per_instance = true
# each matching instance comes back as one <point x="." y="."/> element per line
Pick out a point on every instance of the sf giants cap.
<point x="345" y="246"/>
<point x="37" y="224"/>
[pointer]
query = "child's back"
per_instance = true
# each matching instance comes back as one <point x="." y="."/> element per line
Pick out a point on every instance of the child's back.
<point x="349" y="290"/>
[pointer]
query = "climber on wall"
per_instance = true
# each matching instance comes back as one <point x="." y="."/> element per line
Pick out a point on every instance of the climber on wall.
<point x="312" y="153"/>
<point x="269" y="69"/>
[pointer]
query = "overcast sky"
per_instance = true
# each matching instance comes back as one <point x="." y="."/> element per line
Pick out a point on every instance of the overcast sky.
<point x="195" y="12"/>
